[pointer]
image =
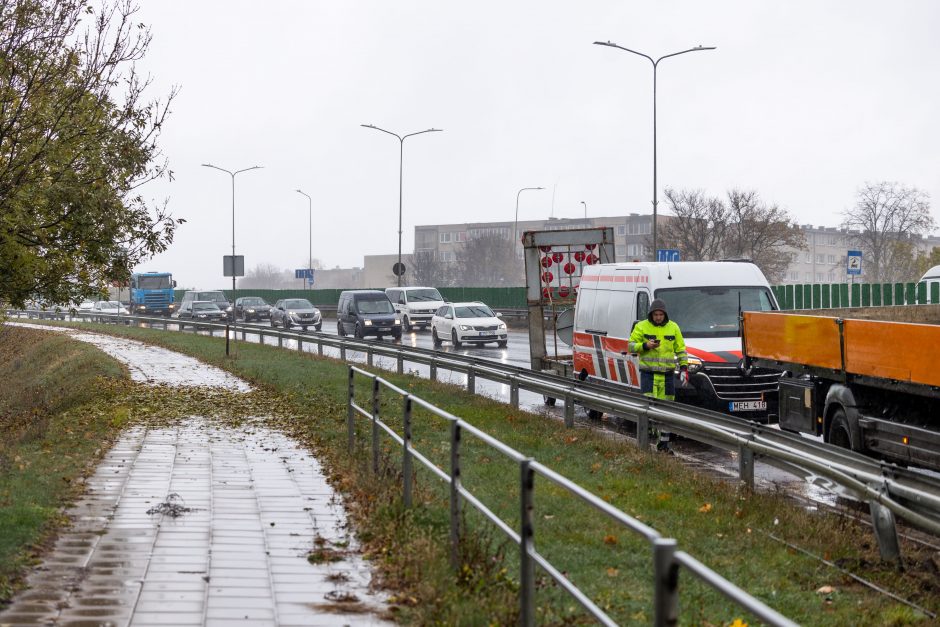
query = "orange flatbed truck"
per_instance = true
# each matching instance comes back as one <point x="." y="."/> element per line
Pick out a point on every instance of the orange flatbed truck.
<point x="869" y="385"/>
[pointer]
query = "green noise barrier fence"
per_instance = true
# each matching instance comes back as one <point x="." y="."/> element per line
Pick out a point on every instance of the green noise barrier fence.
<point x="799" y="296"/>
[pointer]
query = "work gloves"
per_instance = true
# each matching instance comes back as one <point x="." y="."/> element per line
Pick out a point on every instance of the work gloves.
<point x="684" y="375"/>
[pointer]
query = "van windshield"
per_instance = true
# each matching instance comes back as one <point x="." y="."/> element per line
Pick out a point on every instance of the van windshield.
<point x="374" y="306"/>
<point x="713" y="311"/>
<point x="429" y="294"/>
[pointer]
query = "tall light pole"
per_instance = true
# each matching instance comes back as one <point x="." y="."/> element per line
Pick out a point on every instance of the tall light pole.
<point x="401" y="159"/>
<point x="310" y="245"/>
<point x="515" y="224"/>
<point x="585" y="209"/>
<point x="655" y="65"/>
<point x="232" y="174"/>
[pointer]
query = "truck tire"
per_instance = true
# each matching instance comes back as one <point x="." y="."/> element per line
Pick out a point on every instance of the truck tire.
<point x="841" y="433"/>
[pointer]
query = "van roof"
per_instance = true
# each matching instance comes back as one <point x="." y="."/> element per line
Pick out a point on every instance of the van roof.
<point x="682" y="273"/>
<point x="362" y="292"/>
<point x="933" y="273"/>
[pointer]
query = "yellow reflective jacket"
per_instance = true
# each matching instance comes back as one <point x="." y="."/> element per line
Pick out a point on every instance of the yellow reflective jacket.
<point x="671" y="347"/>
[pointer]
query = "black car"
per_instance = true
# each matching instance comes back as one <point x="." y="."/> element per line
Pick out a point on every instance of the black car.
<point x="296" y="312"/>
<point x="367" y="312"/>
<point x="250" y="308"/>
<point x="201" y="310"/>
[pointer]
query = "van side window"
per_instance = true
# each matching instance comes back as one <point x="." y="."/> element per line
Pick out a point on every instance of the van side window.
<point x="642" y="306"/>
<point x="620" y="315"/>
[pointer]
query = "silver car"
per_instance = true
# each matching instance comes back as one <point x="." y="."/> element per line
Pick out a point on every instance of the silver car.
<point x="296" y="312"/>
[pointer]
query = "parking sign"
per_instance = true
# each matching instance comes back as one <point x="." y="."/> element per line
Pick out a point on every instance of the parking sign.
<point x="853" y="264"/>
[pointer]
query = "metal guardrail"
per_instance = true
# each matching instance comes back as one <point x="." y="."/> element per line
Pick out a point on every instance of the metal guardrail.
<point x="665" y="557"/>
<point x="890" y="490"/>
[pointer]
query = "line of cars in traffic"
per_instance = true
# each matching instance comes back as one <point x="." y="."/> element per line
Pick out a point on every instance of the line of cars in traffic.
<point x="360" y="314"/>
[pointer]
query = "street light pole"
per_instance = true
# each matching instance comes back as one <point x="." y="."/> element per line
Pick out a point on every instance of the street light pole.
<point x="310" y="245"/>
<point x="401" y="159"/>
<point x="515" y="224"/>
<point x="585" y="209"/>
<point x="232" y="174"/>
<point x="655" y="65"/>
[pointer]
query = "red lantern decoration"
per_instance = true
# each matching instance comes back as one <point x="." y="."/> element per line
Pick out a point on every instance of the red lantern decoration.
<point x="547" y="277"/>
<point x="545" y="249"/>
<point x="557" y="257"/>
<point x="546" y="292"/>
<point x="579" y="256"/>
<point x="546" y="262"/>
<point x="592" y="259"/>
<point x="569" y="268"/>
<point x="563" y="291"/>
<point x="591" y="246"/>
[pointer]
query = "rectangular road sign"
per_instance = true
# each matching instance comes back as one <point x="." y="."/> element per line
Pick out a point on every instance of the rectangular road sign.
<point x="239" y="265"/>
<point x="667" y="254"/>
<point x="304" y="273"/>
<point x="853" y="262"/>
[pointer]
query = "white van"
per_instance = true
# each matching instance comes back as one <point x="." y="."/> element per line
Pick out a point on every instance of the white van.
<point x="415" y="304"/>
<point x="931" y="277"/>
<point x="704" y="298"/>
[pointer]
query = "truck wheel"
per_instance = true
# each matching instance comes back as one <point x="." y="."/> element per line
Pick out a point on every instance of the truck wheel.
<point x="840" y="432"/>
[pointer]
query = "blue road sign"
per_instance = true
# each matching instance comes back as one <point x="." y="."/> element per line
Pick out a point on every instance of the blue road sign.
<point x="853" y="263"/>
<point x="667" y="254"/>
<point x="304" y="273"/>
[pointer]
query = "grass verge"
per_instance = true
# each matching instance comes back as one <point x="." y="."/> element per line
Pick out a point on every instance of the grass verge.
<point x="726" y="528"/>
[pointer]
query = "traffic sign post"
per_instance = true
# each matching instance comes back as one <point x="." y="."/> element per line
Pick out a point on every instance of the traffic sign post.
<point x="233" y="269"/>
<point x="306" y="274"/>
<point x="667" y="254"/>
<point x="853" y="263"/>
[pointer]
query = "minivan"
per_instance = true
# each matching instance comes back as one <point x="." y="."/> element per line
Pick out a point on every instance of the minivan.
<point x="415" y="304"/>
<point x="931" y="278"/>
<point x="705" y="299"/>
<point x="366" y="312"/>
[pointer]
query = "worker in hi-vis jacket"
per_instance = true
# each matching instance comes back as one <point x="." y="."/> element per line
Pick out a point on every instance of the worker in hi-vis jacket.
<point x="658" y="343"/>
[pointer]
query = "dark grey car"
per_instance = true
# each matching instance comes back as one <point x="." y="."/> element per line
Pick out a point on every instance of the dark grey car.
<point x="296" y="312"/>
<point x="251" y="308"/>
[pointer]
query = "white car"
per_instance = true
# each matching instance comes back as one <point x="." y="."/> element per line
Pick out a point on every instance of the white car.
<point x="473" y="323"/>
<point x="109" y="307"/>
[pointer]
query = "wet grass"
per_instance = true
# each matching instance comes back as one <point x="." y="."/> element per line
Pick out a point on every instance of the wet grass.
<point x="56" y="419"/>
<point x="728" y="529"/>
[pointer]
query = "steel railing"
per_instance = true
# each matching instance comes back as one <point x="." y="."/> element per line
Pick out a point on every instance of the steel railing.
<point x="665" y="557"/>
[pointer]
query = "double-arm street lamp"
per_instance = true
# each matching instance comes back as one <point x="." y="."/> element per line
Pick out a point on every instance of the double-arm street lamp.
<point x="401" y="157"/>
<point x="515" y="223"/>
<point x="655" y="65"/>
<point x="310" y="245"/>
<point x="232" y="174"/>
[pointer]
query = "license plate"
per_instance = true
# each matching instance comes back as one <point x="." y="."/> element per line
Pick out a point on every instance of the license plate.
<point x="385" y="329"/>
<point x="482" y="333"/>
<point x="747" y="405"/>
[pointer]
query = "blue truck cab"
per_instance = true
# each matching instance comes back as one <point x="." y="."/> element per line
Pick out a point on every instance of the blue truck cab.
<point x="152" y="293"/>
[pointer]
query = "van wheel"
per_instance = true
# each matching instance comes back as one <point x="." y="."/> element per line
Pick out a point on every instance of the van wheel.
<point x="453" y="338"/>
<point x="434" y="337"/>
<point x="396" y="335"/>
<point x="840" y="432"/>
<point x="549" y="400"/>
<point x="594" y="414"/>
<point x="319" y="327"/>
<point x="359" y="333"/>
<point x="340" y="331"/>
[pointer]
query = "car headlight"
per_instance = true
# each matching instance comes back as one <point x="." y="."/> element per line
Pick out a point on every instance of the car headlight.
<point x="251" y="311"/>
<point x="502" y="326"/>
<point x="695" y="364"/>
<point x="368" y="323"/>
<point x="200" y="315"/>
<point x="466" y="327"/>
<point x="397" y="321"/>
<point x="172" y="306"/>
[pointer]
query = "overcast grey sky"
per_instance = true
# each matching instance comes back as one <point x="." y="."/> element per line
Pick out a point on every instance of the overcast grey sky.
<point x="803" y="101"/>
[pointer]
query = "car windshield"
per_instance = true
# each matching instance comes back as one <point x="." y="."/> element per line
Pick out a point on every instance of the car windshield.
<point x="153" y="282"/>
<point x="374" y="306"/>
<point x="205" y="307"/>
<point x="713" y="311"/>
<point x="209" y="296"/>
<point x="253" y="301"/>
<point x="297" y="303"/>
<point x="473" y="311"/>
<point x="424" y="295"/>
